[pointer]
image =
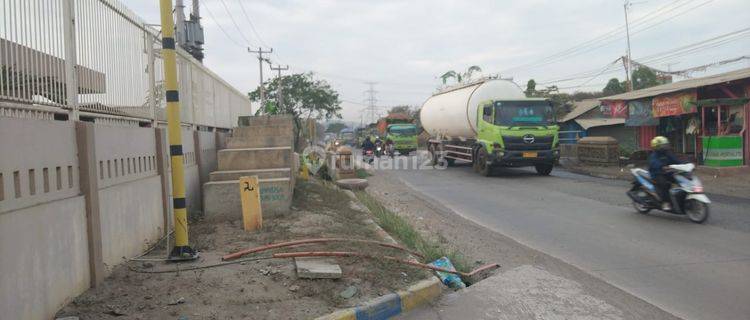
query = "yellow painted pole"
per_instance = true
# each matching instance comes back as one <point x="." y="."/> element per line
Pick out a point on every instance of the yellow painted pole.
<point x="252" y="214"/>
<point x="181" y="250"/>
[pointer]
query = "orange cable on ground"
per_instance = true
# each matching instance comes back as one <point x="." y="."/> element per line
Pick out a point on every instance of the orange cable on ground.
<point x="240" y="253"/>
<point x="364" y="255"/>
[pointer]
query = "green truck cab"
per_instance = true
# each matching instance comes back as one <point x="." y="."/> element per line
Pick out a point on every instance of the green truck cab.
<point x="516" y="133"/>
<point x="404" y="137"/>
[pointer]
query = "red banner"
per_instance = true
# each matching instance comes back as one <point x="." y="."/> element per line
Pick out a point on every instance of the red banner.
<point x="614" y="109"/>
<point x="675" y="104"/>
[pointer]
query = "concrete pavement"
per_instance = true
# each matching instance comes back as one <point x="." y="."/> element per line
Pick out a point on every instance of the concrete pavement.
<point x="693" y="271"/>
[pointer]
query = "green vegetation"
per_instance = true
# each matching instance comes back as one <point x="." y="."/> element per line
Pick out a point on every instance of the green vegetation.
<point x="301" y="96"/>
<point x="458" y="76"/>
<point x="361" y="173"/>
<point x="400" y="229"/>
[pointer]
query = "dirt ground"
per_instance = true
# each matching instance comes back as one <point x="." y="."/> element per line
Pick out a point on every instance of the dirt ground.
<point x="264" y="289"/>
<point x="480" y="245"/>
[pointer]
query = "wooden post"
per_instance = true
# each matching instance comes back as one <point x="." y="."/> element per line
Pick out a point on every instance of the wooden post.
<point x="252" y="215"/>
<point x="88" y="179"/>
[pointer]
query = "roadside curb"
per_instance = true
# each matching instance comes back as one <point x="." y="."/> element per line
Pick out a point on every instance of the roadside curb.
<point x="391" y="304"/>
<point x="593" y="174"/>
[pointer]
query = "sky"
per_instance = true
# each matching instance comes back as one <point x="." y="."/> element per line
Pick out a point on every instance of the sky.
<point x="404" y="46"/>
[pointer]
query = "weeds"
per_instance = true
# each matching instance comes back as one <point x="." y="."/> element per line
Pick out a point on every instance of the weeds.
<point x="361" y="173"/>
<point x="399" y="228"/>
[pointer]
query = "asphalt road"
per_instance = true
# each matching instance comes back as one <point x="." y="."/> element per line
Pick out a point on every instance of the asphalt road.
<point x="692" y="271"/>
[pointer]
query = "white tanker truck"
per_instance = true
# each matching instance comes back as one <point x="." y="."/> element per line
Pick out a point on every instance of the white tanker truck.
<point x="491" y="123"/>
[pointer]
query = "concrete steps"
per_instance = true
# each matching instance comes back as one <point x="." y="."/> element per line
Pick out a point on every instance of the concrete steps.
<point x="259" y="141"/>
<point x="255" y="158"/>
<point x="261" y="147"/>
<point x="222" y="198"/>
<point x="261" y="173"/>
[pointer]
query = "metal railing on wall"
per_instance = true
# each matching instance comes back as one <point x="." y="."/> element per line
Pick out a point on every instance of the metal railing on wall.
<point x="97" y="55"/>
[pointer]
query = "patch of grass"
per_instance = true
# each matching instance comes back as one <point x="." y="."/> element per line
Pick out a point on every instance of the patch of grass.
<point x="361" y="173"/>
<point x="399" y="228"/>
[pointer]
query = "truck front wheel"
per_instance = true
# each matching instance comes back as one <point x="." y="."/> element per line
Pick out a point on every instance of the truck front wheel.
<point x="481" y="163"/>
<point x="543" y="169"/>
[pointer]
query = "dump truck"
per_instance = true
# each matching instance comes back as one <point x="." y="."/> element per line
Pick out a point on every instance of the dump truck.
<point x="491" y="123"/>
<point x="400" y="129"/>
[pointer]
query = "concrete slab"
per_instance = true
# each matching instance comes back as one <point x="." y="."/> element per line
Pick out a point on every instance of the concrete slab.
<point x="221" y="199"/>
<point x="249" y="121"/>
<point x="352" y="184"/>
<point x="261" y="173"/>
<point x="255" y="158"/>
<point x="316" y="268"/>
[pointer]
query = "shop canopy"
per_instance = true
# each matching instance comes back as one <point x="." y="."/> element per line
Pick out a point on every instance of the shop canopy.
<point x="591" y="123"/>
<point x="721" y="102"/>
<point x="681" y="85"/>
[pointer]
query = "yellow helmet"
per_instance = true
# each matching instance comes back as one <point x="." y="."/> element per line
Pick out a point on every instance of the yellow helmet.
<point x="659" y="142"/>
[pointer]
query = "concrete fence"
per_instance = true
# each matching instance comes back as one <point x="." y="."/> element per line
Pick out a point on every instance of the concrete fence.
<point x="76" y="198"/>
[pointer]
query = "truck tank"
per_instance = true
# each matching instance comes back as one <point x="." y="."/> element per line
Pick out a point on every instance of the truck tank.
<point x="453" y="113"/>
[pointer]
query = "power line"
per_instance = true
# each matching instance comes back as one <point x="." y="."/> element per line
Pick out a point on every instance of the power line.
<point x="252" y="26"/>
<point x="235" y="23"/>
<point x="205" y="6"/>
<point x="610" y="37"/>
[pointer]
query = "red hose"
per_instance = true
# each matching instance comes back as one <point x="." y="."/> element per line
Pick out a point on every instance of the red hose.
<point x="364" y="255"/>
<point x="241" y="253"/>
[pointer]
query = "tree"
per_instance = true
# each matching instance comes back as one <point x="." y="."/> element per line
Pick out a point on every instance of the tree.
<point x="302" y="97"/>
<point x="335" y="127"/>
<point x="460" y="77"/>
<point x="643" y="78"/>
<point x="450" y="74"/>
<point x="614" y="86"/>
<point x="530" y="88"/>
<point x="400" y="109"/>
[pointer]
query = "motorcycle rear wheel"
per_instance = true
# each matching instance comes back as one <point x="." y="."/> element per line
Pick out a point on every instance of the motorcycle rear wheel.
<point x="696" y="211"/>
<point x="641" y="208"/>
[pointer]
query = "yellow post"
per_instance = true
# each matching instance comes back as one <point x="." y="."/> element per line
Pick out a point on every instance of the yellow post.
<point x="305" y="172"/>
<point x="181" y="250"/>
<point x="252" y="214"/>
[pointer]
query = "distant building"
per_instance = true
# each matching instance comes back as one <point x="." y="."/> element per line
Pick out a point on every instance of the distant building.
<point x="706" y="119"/>
<point x="589" y="118"/>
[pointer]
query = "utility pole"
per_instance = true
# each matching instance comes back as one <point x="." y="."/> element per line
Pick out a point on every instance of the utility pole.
<point x="371" y="100"/>
<point x="260" y="53"/>
<point x="629" y="68"/>
<point x="179" y="18"/>
<point x="279" y="94"/>
<point x="181" y="250"/>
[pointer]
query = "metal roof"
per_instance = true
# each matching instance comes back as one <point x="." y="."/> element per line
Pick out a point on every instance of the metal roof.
<point x="579" y="108"/>
<point x="682" y="85"/>
<point x="590" y="123"/>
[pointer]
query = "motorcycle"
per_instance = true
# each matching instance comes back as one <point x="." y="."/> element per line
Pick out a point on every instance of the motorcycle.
<point x="367" y="156"/>
<point x="390" y="150"/>
<point x="378" y="149"/>
<point x="686" y="197"/>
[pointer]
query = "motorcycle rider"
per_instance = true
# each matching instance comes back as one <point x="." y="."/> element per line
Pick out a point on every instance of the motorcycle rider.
<point x="367" y="145"/>
<point x="389" y="147"/>
<point x="658" y="162"/>
<point x="378" y="143"/>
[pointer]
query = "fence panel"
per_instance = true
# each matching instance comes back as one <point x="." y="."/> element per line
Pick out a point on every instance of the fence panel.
<point x="113" y="49"/>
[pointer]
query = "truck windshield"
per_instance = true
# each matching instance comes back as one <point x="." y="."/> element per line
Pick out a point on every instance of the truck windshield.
<point x="517" y="113"/>
<point x="403" y="130"/>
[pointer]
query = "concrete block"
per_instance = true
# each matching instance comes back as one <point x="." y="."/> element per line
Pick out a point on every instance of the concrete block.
<point x="312" y="268"/>
<point x="255" y="158"/>
<point x="261" y="173"/>
<point x="259" y="141"/>
<point x="221" y="199"/>
<point x="352" y="184"/>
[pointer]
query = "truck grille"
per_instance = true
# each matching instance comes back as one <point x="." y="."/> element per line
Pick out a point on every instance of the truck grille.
<point x="519" y="143"/>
